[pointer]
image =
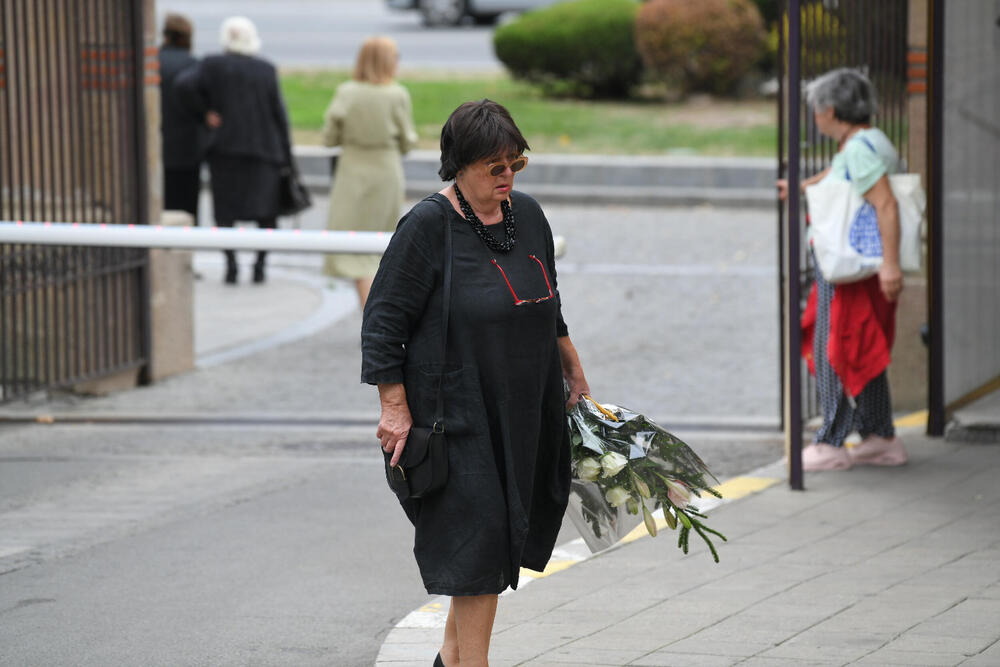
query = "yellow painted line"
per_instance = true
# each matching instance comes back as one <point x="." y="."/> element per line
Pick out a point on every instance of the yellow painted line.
<point x="640" y="530"/>
<point x="912" y="420"/>
<point x="432" y="607"/>
<point x="553" y="567"/>
<point x="740" y="487"/>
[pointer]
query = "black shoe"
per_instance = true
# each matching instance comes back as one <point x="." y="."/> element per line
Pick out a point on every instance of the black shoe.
<point x="231" y="275"/>
<point x="438" y="662"/>
<point x="258" y="273"/>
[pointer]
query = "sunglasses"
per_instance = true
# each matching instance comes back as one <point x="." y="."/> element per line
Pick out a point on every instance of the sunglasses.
<point x="517" y="300"/>
<point x="498" y="168"/>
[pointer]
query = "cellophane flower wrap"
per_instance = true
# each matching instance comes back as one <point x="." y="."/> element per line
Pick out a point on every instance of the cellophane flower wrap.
<point x="626" y="468"/>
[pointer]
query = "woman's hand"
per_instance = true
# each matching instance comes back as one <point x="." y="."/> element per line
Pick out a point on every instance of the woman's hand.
<point x="890" y="280"/>
<point x="572" y="371"/>
<point x="782" y="184"/>
<point x="395" y="422"/>
<point x="577" y="388"/>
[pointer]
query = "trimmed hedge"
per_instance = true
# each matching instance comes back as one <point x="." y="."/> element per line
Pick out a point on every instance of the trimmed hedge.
<point x="585" y="47"/>
<point x="700" y="45"/>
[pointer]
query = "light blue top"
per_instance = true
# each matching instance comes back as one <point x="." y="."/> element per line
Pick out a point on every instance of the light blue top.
<point x="867" y="156"/>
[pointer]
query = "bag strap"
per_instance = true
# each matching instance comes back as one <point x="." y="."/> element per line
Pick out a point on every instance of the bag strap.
<point x="445" y="308"/>
<point x="862" y="138"/>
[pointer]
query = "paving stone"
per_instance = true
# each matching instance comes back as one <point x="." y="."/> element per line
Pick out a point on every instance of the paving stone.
<point x="677" y="659"/>
<point x="917" y="640"/>
<point x="912" y="659"/>
<point x="587" y="655"/>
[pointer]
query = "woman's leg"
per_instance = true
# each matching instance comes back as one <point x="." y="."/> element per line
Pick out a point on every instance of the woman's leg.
<point x="838" y="415"/>
<point x="449" y="650"/>
<point x="875" y="409"/>
<point x="474" y="616"/>
<point x="258" y="267"/>
<point x="230" y="278"/>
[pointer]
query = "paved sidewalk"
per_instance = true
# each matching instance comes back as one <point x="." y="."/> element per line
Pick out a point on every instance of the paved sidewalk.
<point x="874" y="566"/>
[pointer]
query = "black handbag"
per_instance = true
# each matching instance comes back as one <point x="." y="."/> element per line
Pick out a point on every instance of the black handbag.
<point x="422" y="468"/>
<point x="293" y="195"/>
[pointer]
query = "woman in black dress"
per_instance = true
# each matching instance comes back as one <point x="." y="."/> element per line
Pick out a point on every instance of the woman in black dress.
<point x="503" y="379"/>
<point x="237" y="94"/>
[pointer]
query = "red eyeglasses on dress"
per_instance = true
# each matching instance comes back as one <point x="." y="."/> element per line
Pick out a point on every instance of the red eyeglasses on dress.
<point x="517" y="300"/>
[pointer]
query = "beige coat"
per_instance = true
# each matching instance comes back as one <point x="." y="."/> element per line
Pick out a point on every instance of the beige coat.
<point x="374" y="125"/>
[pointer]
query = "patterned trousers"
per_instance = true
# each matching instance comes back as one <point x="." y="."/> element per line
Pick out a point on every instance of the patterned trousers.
<point x="870" y="412"/>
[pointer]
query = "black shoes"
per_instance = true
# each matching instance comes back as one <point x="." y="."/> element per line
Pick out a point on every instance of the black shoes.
<point x="258" y="273"/>
<point x="230" y="278"/>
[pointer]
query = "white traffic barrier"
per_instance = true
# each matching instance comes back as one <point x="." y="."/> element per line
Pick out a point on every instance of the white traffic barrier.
<point x="201" y="238"/>
<point x="191" y="238"/>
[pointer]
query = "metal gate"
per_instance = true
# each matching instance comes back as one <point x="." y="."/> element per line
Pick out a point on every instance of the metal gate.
<point x="72" y="149"/>
<point x="870" y="36"/>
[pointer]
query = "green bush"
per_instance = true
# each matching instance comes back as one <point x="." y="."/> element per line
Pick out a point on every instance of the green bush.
<point x="700" y="45"/>
<point x="584" y="47"/>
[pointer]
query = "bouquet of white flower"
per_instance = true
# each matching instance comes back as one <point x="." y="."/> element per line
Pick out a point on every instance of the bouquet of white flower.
<point x="624" y="465"/>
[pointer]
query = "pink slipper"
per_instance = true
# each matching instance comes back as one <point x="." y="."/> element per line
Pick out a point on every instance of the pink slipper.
<point x="878" y="451"/>
<point x="821" y="456"/>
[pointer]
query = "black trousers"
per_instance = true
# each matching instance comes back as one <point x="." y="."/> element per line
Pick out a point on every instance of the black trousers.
<point x="181" y="188"/>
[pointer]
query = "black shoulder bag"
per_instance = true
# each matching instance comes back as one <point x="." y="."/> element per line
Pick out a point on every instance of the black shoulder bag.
<point x="423" y="466"/>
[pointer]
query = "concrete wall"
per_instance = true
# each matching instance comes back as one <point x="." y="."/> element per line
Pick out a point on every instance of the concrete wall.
<point x="971" y="197"/>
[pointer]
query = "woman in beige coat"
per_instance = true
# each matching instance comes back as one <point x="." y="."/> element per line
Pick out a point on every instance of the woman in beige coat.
<point x="371" y="118"/>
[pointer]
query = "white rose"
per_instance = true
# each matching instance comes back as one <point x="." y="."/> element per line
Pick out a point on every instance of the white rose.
<point x="613" y="462"/>
<point x="617" y="496"/>
<point x="588" y="469"/>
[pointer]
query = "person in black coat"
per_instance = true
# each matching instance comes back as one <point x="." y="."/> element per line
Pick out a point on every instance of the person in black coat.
<point x="183" y="132"/>
<point x="237" y="94"/>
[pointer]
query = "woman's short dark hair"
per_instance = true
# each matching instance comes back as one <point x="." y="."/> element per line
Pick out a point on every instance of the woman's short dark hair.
<point x="177" y="30"/>
<point x="476" y="131"/>
<point x="847" y="91"/>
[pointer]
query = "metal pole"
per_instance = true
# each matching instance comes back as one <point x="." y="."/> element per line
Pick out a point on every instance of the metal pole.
<point x="140" y="195"/>
<point x="192" y="238"/>
<point x="793" y="424"/>
<point x="935" y="159"/>
<point x="782" y="54"/>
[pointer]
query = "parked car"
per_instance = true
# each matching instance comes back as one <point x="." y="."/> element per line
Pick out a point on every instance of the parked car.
<point x="454" y="12"/>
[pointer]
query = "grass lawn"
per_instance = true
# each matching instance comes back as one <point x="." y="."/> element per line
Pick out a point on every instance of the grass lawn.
<point x="701" y="127"/>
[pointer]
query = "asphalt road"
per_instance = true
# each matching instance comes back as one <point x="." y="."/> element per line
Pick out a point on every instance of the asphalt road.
<point x="315" y="33"/>
<point x="250" y="543"/>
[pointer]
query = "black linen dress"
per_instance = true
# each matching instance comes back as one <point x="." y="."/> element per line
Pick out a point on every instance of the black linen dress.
<point x="504" y="402"/>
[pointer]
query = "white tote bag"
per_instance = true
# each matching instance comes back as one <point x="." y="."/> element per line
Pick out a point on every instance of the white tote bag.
<point x="843" y="229"/>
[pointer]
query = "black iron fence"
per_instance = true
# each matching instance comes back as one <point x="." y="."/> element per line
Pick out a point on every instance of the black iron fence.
<point x="71" y="150"/>
<point x="870" y="36"/>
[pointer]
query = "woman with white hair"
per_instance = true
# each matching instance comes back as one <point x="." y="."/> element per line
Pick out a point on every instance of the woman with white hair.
<point x="848" y="328"/>
<point x="237" y="94"/>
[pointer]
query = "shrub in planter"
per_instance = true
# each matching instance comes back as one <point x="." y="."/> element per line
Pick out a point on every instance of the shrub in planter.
<point x="700" y="45"/>
<point x="586" y="47"/>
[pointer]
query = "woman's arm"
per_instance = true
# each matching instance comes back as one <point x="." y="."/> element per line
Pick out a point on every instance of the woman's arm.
<point x="812" y="180"/>
<point x="333" y="123"/>
<point x="403" y="118"/>
<point x="572" y="371"/>
<point x="890" y="275"/>
<point x="395" y="422"/>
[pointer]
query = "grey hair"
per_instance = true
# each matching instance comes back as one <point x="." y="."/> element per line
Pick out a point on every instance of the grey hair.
<point x="847" y="91"/>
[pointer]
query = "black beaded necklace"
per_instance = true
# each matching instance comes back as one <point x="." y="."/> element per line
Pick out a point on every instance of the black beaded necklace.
<point x="491" y="242"/>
